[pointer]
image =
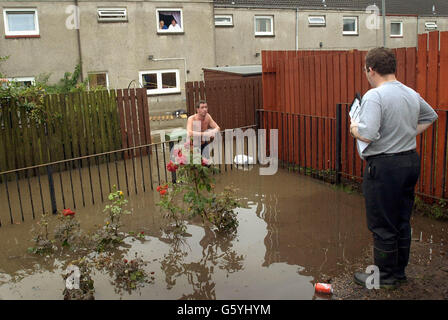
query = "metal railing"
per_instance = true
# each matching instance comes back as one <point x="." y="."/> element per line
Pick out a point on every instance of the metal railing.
<point x="27" y="192"/>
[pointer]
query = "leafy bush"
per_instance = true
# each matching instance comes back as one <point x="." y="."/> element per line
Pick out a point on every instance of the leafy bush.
<point x="193" y="194"/>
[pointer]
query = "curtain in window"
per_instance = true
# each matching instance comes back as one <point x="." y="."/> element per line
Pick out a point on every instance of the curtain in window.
<point x="176" y="15"/>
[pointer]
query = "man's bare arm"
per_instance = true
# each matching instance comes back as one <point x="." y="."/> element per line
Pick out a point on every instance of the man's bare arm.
<point x="214" y="126"/>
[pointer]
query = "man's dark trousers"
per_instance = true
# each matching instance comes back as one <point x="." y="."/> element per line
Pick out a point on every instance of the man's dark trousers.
<point x="388" y="188"/>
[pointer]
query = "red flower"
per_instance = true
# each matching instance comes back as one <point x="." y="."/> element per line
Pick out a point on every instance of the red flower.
<point x="68" y="212"/>
<point x="162" y="192"/>
<point x="171" y="166"/>
<point x="142" y="232"/>
<point x="125" y="261"/>
<point x="160" y="188"/>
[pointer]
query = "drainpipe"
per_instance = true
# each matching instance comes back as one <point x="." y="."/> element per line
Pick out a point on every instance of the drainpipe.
<point x="79" y="39"/>
<point x="297" y="29"/>
<point x="417" y="31"/>
<point x="214" y="35"/>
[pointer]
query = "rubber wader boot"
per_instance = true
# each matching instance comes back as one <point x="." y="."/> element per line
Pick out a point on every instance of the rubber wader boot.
<point x="387" y="264"/>
<point x="403" y="259"/>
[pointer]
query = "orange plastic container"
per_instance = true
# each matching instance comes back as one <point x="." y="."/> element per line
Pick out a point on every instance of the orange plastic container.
<point x="323" y="288"/>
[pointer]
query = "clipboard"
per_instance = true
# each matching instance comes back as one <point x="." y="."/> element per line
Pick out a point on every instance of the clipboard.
<point x="355" y="110"/>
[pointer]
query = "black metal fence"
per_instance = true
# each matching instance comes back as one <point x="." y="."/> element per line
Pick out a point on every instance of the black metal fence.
<point x="432" y="147"/>
<point x="26" y="193"/>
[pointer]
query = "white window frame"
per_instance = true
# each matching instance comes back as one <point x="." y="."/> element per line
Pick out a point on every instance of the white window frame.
<point x="401" y="30"/>
<point x="271" y="33"/>
<point x="22" y="79"/>
<point x="21" y="33"/>
<point x="356" y="26"/>
<point x="166" y="30"/>
<point x="98" y="72"/>
<point x="430" y="25"/>
<point x="322" y="23"/>
<point x="159" y="89"/>
<point x="112" y="19"/>
<point x="227" y="24"/>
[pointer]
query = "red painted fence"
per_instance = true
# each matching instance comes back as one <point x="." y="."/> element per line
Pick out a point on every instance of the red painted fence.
<point x="301" y="90"/>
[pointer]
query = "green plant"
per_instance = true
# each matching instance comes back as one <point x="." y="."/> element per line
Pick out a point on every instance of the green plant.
<point x="42" y="244"/>
<point x="437" y="210"/>
<point x="140" y="235"/>
<point x="222" y="214"/>
<point x="129" y="274"/>
<point x="115" y="210"/>
<point x="195" y="189"/>
<point x="68" y="231"/>
<point x="109" y="234"/>
<point x="30" y="99"/>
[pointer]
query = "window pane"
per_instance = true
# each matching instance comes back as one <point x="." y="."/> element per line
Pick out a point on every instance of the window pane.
<point x="97" y="79"/>
<point x="316" y="20"/>
<point x="168" y="17"/>
<point x="395" y="29"/>
<point x="169" y="80"/>
<point x="21" y="21"/>
<point x="350" y="25"/>
<point x="222" y="20"/>
<point x="150" y="81"/>
<point x="263" y="25"/>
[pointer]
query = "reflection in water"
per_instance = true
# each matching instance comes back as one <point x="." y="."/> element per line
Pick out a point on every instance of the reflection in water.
<point x="216" y="252"/>
<point x="292" y="231"/>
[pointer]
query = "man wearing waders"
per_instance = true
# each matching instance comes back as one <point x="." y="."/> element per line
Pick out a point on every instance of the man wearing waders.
<point x="391" y="117"/>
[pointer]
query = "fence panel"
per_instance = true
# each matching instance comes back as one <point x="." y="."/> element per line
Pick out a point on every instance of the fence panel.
<point x="329" y="77"/>
<point x="232" y="103"/>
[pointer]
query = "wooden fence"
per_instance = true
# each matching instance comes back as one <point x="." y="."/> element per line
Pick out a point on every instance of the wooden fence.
<point x="75" y="125"/>
<point x="307" y="87"/>
<point x="231" y="103"/>
<point x="133" y="112"/>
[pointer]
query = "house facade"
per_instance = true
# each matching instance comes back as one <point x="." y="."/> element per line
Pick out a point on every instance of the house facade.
<point x="120" y="43"/>
<point x="246" y="27"/>
<point x="162" y="44"/>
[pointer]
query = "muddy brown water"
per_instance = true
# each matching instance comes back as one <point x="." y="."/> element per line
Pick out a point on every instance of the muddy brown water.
<point x="293" y="231"/>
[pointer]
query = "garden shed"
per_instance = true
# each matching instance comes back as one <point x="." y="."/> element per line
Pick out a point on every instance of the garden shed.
<point x="232" y="72"/>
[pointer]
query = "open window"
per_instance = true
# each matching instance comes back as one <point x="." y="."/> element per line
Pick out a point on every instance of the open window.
<point x="350" y="26"/>
<point x="224" y="20"/>
<point x="169" y="20"/>
<point x="396" y="29"/>
<point x="97" y="79"/>
<point x="21" y="22"/>
<point x="316" y="21"/>
<point x="160" y="81"/>
<point x="112" y="15"/>
<point x="430" y="25"/>
<point x="264" y="25"/>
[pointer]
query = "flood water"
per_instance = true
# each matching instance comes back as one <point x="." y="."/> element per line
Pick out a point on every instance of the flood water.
<point x="294" y="231"/>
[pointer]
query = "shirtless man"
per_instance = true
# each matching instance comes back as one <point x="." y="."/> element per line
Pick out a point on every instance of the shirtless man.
<point x="207" y="122"/>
